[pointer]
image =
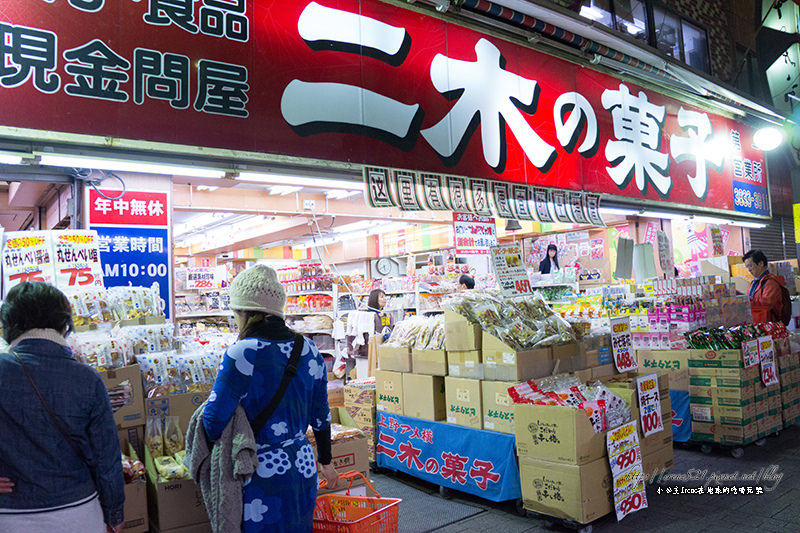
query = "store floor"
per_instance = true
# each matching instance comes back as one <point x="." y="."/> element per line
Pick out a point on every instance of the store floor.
<point x="777" y="463"/>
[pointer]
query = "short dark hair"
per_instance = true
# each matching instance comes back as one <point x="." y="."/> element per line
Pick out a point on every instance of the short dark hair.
<point x="757" y="256"/>
<point x="373" y="298"/>
<point x="35" y="305"/>
<point x="466" y="280"/>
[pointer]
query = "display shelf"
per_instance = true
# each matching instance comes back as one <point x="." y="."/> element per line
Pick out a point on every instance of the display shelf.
<point x="204" y="314"/>
<point x="329" y="313"/>
<point x="316" y="332"/>
<point x="432" y="311"/>
<point x="309" y="293"/>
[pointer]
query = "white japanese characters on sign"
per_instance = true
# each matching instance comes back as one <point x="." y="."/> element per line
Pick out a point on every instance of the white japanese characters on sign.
<point x="512" y="277"/>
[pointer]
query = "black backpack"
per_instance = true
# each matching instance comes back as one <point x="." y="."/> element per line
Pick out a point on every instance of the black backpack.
<point x="786" y="302"/>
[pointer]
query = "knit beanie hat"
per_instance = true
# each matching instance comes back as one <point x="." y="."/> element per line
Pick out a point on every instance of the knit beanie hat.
<point x="258" y="289"/>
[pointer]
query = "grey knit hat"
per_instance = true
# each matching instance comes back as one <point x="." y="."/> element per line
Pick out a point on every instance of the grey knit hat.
<point x="258" y="289"/>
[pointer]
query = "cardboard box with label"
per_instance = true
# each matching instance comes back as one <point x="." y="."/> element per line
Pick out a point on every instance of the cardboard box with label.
<point x="460" y="335"/>
<point x="350" y="454"/>
<point x="464" y="402"/>
<point x="360" y="404"/>
<point x="424" y="397"/>
<point x="135" y="510"/>
<point x="389" y="391"/>
<point x="581" y="493"/>
<point x="498" y="408"/>
<point x="132" y="437"/>
<point x="133" y="413"/>
<point x="181" y="405"/>
<point x="604" y="371"/>
<point x="431" y="362"/>
<point x="716" y="359"/>
<point x="394" y="359"/>
<point x="504" y="363"/>
<point x="558" y="434"/>
<point x="173" y="504"/>
<point x="724" y="377"/>
<point x="465" y="364"/>
<point x="657" y="360"/>
<point x="568" y="357"/>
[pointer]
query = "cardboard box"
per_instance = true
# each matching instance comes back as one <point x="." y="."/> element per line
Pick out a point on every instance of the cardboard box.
<point x="558" y="434"/>
<point x="584" y="375"/>
<point x="662" y="359"/>
<point x="464" y="402"/>
<point x="432" y="362"/>
<point x="336" y="393"/>
<point x="604" y="371"/>
<point x="724" y="414"/>
<point x="173" y="504"/>
<point x="580" y="493"/>
<point x="737" y="433"/>
<point x="498" y="408"/>
<point x="656" y="440"/>
<point x="460" y="335"/>
<point x="716" y="358"/>
<point x="724" y="377"/>
<point x="423" y="397"/>
<point x="394" y="359"/>
<point x="360" y="405"/>
<point x="734" y="396"/>
<point x="516" y="366"/>
<point x="657" y="462"/>
<point x="349" y="454"/>
<point x="132" y="437"/>
<point x="679" y="380"/>
<point x="132" y="414"/>
<point x="704" y="431"/>
<point x="567" y="356"/>
<point x="465" y="364"/>
<point x="181" y="405"/>
<point x="389" y="391"/>
<point x="135" y="509"/>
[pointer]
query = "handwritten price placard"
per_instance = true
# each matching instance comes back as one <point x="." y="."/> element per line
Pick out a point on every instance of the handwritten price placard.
<point x="769" y="369"/>
<point x="27" y="256"/>
<point x="750" y="353"/>
<point x="649" y="404"/>
<point x="77" y="259"/>
<point x="512" y="277"/>
<point x="625" y="459"/>
<point x="622" y="344"/>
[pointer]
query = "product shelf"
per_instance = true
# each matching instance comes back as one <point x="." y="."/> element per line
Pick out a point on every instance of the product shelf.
<point x="309" y="293"/>
<point x="329" y="313"/>
<point x="204" y="314"/>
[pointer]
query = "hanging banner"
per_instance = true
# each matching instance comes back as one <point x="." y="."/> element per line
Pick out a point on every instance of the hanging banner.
<point x="665" y="257"/>
<point x="622" y="344"/>
<point x="625" y="459"/>
<point x="407" y="190"/>
<point x="575" y="205"/>
<point x="559" y="201"/>
<point x="717" y="243"/>
<point x="27" y="256"/>
<point x="650" y="232"/>
<point x="473" y="234"/>
<point x="522" y="206"/>
<point x="457" y="190"/>
<point x="649" y="404"/>
<point x="433" y="186"/>
<point x="77" y="259"/>
<point x="769" y="369"/>
<point x="479" y="197"/>
<point x="378" y="184"/>
<point x="502" y="200"/>
<point x="133" y="238"/>
<point x="750" y="354"/>
<point x="478" y="462"/>
<point x="512" y="276"/>
<point x="540" y="198"/>
<point x="593" y="209"/>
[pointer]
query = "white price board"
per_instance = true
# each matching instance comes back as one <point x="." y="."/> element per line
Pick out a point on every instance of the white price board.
<point x="649" y="404"/>
<point x="512" y="277"/>
<point x="622" y="344"/>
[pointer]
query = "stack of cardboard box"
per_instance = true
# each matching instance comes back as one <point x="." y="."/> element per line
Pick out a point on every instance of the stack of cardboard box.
<point x="789" y="375"/>
<point x="360" y="405"/>
<point x="729" y="403"/>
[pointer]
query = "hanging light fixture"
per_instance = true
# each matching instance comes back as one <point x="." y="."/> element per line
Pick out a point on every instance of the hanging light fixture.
<point x="512" y="224"/>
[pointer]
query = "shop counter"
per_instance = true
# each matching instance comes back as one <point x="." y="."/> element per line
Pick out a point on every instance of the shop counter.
<point x="475" y="461"/>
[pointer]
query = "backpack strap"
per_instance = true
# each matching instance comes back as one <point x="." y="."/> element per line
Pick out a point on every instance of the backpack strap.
<point x="291" y="371"/>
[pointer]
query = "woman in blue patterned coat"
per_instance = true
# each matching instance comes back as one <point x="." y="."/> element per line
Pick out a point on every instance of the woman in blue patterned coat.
<point x="280" y="496"/>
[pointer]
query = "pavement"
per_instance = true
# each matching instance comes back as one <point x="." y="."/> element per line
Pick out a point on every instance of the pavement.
<point x="777" y="508"/>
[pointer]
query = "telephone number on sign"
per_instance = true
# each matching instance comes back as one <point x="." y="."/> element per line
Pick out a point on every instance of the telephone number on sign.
<point x="745" y="198"/>
<point x="133" y="270"/>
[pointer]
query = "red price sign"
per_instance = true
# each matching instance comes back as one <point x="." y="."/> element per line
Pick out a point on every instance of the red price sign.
<point x="628" y="458"/>
<point x="79" y="276"/>
<point x="622" y="344"/>
<point x="651" y="422"/>
<point x="768" y="374"/>
<point x="203" y="284"/>
<point x="523" y="286"/>
<point x="631" y="504"/>
<point x="23" y="277"/>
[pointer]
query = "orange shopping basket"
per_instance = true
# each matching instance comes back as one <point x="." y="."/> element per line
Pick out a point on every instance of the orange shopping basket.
<point x="343" y="513"/>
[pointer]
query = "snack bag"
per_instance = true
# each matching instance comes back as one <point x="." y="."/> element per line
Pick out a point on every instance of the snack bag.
<point x="168" y="468"/>
<point x="154" y="437"/>
<point x="173" y="436"/>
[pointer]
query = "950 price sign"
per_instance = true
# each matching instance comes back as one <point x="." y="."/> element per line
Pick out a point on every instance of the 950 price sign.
<point x="749" y="198"/>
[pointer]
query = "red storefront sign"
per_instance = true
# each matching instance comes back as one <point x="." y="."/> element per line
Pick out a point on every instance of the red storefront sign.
<point x="368" y="82"/>
<point x="135" y="208"/>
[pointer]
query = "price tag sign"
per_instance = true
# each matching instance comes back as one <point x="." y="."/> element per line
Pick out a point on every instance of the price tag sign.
<point x="750" y="353"/>
<point x="27" y="256"/>
<point x="622" y="344"/>
<point x="77" y="259"/>
<point x="510" y="270"/>
<point x="769" y="370"/>
<point x="473" y="234"/>
<point x="200" y="278"/>
<point x="649" y="404"/>
<point x="625" y="459"/>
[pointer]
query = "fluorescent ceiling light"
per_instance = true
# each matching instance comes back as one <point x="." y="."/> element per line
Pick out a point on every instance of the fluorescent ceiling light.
<point x="283" y="190"/>
<point x="127" y="166"/>
<point x="756" y="225"/>
<point x="207" y="188"/>
<point x="319" y="183"/>
<point x="9" y="159"/>
<point x="591" y="13"/>
<point x="340" y="194"/>
<point x="767" y="138"/>
<point x="662" y="214"/>
<point x="617" y="211"/>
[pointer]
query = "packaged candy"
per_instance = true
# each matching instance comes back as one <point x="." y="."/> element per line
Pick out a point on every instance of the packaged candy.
<point x="169" y="469"/>
<point x="154" y="437"/>
<point x="173" y="436"/>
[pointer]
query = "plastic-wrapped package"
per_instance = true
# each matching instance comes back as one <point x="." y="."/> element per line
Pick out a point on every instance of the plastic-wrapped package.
<point x="90" y="306"/>
<point x="192" y="373"/>
<point x="135" y="302"/>
<point x="159" y="374"/>
<point x="100" y="349"/>
<point x="169" y="469"/>
<point x="173" y="436"/>
<point x="154" y="436"/>
<point x="418" y="332"/>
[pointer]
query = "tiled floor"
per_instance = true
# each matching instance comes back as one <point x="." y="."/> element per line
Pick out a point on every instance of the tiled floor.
<point x="777" y="509"/>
